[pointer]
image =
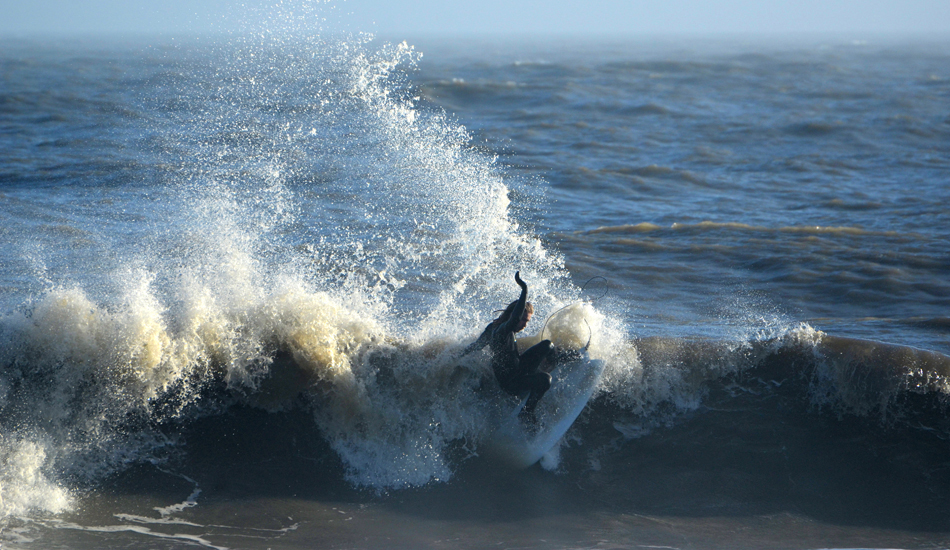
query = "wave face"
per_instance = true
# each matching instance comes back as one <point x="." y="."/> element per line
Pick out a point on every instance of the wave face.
<point x="281" y="244"/>
<point x="296" y="231"/>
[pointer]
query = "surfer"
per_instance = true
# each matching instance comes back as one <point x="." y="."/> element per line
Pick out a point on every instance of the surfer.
<point x="517" y="373"/>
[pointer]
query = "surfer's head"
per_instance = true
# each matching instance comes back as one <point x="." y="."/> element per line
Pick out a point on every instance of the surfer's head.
<point x="525" y="317"/>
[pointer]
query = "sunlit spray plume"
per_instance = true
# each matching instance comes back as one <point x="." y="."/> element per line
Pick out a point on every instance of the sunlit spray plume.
<point x="318" y="217"/>
<point x="415" y="238"/>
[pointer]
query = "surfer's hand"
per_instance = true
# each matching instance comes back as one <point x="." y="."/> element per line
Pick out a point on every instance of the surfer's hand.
<point x="518" y="280"/>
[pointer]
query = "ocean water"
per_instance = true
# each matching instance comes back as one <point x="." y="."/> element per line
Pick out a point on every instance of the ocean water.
<point x="236" y="273"/>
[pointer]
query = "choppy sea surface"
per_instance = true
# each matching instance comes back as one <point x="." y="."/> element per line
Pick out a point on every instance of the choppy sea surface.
<point x="236" y="273"/>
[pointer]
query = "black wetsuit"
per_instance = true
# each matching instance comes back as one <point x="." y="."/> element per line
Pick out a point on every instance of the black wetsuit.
<point x="516" y="373"/>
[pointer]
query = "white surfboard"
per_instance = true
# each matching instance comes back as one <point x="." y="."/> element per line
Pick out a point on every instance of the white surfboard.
<point x="573" y="384"/>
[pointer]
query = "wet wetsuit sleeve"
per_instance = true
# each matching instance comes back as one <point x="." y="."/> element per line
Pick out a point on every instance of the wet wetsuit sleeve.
<point x="518" y="311"/>
<point x="480" y="343"/>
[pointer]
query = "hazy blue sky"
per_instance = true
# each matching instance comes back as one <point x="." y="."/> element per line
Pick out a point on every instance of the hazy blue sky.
<point x="412" y="17"/>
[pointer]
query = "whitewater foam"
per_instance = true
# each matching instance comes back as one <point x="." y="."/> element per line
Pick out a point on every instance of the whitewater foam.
<point x="326" y="241"/>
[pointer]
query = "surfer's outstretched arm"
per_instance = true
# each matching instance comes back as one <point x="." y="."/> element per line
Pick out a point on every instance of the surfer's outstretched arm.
<point x="478" y="344"/>
<point x="511" y="325"/>
<point x="515" y="318"/>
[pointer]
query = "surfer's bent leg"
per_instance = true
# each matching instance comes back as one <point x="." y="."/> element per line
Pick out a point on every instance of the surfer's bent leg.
<point x="532" y="378"/>
<point x="537" y="383"/>
<point x="534" y="356"/>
